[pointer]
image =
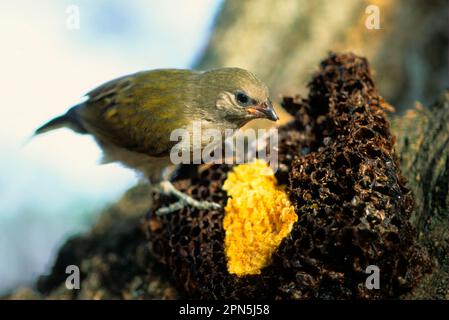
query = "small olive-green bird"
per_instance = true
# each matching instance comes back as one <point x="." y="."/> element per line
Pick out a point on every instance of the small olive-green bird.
<point x="132" y="117"/>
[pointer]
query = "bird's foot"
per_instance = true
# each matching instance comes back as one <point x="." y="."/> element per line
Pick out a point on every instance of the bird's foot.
<point x="200" y="205"/>
<point x="184" y="200"/>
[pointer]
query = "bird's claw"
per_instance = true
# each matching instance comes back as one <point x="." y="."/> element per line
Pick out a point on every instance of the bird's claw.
<point x="169" y="209"/>
<point x="184" y="200"/>
<point x="200" y="205"/>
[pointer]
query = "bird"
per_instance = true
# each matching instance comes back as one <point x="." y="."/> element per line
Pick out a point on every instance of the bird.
<point x="131" y="117"/>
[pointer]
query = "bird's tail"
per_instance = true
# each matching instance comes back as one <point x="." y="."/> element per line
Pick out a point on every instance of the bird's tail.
<point x="67" y="120"/>
<point x="56" y="123"/>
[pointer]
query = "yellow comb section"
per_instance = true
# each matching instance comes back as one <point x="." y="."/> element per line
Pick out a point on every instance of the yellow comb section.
<point x="258" y="215"/>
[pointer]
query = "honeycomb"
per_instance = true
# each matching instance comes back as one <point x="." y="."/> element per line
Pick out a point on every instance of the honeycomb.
<point x="338" y="160"/>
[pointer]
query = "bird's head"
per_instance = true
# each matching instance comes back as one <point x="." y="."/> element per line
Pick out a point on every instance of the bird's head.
<point x="238" y="96"/>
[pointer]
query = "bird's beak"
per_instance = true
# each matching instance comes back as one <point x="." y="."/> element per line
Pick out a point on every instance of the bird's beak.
<point x="264" y="110"/>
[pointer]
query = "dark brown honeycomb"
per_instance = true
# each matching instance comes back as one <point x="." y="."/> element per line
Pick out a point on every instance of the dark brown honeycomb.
<point x="343" y="177"/>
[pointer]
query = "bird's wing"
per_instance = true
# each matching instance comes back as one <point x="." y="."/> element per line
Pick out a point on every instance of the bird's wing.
<point x="139" y="111"/>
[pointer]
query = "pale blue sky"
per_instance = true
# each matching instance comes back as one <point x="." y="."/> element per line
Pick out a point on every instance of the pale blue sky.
<point x="46" y="68"/>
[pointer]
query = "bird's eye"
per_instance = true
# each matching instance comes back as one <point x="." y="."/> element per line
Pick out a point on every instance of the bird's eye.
<point x="242" y="98"/>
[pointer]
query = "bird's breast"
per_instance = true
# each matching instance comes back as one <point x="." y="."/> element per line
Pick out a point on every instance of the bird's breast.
<point x="204" y="134"/>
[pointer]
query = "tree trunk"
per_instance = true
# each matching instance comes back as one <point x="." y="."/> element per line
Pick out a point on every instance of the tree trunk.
<point x="422" y="141"/>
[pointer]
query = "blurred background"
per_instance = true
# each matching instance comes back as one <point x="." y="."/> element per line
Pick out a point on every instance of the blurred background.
<point x="55" y="51"/>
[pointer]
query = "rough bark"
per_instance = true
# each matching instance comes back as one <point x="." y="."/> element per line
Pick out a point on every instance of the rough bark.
<point x="422" y="140"/>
